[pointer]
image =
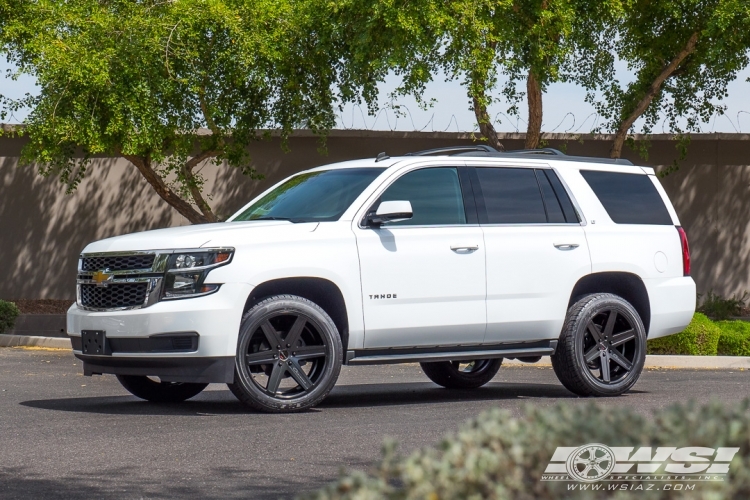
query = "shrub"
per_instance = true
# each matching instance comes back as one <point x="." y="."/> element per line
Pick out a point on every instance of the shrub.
<point x="701" y="338"/>
<point x="497" y="456"/>
<point x="8" y="314"/>
<point x="717" y="307"/>
<point x="734" y="339"/>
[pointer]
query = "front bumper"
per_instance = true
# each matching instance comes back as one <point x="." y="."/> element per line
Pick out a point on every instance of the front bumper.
<point x="215" y="319"/>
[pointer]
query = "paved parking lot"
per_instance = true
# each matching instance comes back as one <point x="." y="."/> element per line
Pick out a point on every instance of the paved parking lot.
<point x="63" y="435"/>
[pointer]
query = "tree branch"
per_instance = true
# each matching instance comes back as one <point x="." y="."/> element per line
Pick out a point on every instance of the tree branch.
<point x="534" y="99"/>
<point x="195" y="192"/>
<point x="185" y="209"/>
<point x="653" y="90"/>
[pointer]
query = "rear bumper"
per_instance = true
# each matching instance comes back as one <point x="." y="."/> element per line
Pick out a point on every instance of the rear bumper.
<point x="171" y="369"/>
<point x="672" y="305"/>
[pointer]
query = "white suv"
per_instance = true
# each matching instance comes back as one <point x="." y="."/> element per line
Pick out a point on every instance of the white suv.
<point x="453" y="258"/>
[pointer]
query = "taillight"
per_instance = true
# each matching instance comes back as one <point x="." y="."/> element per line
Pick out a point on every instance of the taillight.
<point x="685" y="252"/>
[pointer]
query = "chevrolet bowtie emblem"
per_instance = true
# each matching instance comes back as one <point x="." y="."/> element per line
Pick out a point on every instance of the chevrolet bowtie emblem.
<point x="102" y="278"/>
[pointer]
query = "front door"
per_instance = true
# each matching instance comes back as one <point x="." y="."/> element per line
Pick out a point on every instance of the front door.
<point x="423" y="280"/>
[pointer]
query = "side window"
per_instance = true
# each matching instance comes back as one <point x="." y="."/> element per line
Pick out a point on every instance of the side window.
<point x="551" y="204"/>
<point x="628" y="198"/>
<point x="511" y="196"/>
<point x="435" y="196"/>
<point x="562" y="197"/>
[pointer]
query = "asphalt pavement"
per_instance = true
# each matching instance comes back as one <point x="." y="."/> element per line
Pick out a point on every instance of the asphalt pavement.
<point x="63" y="435"/>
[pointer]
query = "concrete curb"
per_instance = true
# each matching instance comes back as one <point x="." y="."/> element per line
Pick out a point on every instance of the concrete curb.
<point x="32" y="341"/>
<point x="676" y="362"/>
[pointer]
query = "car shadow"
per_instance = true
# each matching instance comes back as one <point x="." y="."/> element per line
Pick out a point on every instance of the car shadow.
<point x="214" y="403"/>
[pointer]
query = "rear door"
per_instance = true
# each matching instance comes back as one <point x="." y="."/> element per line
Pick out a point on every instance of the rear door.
<point x="536" y="250"/>
<point x="423" y="280"/>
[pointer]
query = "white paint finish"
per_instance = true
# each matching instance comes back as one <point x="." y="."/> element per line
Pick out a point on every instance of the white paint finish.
<point x="440" y="293"/>
<point x="215" y="317"/>
<point x="529" y="280"/>
<point x="672" y="304"/>
<point x="661" y="262"/>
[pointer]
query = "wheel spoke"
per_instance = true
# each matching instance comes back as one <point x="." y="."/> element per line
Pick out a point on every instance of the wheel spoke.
<point x="618" y="358"/>
<point x="623" y="337"/>
<point x="294" y="333"/>
<point x="274" y="380"/>
<point x="309" y="352"/>
<point x="260" y="358"/>
<point x="298" y="375"/>
<point x="604" y="359"/>
<point x="591" y="354"/>
<point x="610" y="326"/>
<point x="274" y="340"/>
<point x="593" y="329"/>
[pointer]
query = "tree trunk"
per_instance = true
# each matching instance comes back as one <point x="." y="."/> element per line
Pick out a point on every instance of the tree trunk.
<point x="166" y="194"/>
<point x="653" y="91"/>
<point x="485" y="124"/>
<point x="534" y="98"/>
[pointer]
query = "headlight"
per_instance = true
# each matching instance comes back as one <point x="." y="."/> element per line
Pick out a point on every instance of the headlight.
<point x="187" y="271"/>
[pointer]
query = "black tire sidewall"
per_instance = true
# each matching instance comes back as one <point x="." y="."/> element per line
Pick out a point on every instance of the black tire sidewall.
<point x="594" y="306"/>
<point x="248" y="392"/>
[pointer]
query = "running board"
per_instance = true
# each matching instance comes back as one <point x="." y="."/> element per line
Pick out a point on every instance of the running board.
<point x="415" y="355"/>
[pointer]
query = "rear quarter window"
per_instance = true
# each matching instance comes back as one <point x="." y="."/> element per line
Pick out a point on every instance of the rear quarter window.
<point x="628" y="198"/>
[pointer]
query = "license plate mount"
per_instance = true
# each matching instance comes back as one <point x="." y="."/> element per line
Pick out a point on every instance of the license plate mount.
<point x="94" y="342"/>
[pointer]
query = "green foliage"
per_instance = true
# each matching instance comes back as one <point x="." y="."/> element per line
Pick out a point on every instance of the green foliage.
<point x="700" y="338"/>
<point x="718" y="308"/>
<point x="138" y="79"/>
<point x="474" y="41"/>
<point x="734" y="339"/>
<point x="682" y="54"/>
<point x="497" y="456"/>
<point x="8" y="314"/>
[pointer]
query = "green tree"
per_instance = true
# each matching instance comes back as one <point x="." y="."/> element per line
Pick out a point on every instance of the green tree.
<point x="531" y="41"/>
<point x="140" y="79"/>
<point x="682" y="53"/>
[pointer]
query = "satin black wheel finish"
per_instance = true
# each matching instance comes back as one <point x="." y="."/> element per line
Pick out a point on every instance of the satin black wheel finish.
<point x="288" y="357"/>
<point x="462" y="374"/>
<point x="602" y="348"/>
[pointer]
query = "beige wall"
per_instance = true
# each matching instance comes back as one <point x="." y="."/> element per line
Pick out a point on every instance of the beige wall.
<point x="42" y="230"/>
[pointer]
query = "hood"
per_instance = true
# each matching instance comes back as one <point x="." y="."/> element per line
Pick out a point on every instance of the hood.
<point x="228" y="234"/>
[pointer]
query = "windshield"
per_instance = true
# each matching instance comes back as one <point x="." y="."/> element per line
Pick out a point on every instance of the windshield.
<point x="313" y="196"/>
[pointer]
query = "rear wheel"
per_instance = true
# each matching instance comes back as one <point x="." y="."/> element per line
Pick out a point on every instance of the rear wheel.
<point x="602" y="347"/>
<point x="159" y="392"/>
<point x="289" y="355"/>
<point x="462" y="374"/>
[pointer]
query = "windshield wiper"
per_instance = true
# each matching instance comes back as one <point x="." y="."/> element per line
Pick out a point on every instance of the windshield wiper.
<point x="290" y="219"/>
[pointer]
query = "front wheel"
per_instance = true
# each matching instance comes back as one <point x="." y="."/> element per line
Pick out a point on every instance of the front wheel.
<point x="159" y="392"/>
<point x="289" y="355"/>
<point x="462" y="374"/>
<point x="602" y="347"/>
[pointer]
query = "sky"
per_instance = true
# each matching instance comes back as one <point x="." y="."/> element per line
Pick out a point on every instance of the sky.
<point x="564" y="108"/>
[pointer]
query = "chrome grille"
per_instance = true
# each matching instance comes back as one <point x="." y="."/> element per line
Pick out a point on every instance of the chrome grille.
<point x="114" y="295"/>
<point x="117" y="262"/>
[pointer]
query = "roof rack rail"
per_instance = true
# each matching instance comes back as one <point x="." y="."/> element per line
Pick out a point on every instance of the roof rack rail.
<point x="461" y="149"/>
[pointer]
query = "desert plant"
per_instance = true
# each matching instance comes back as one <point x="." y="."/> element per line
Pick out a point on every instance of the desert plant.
<point x="497" y="456"/>
<point x="8" y="314"/>
<point x="734" y="339"/>
<point x="700" y="338"/>
<point x="717" y="307"/>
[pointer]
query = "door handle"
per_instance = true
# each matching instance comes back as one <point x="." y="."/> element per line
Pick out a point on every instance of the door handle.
<point x="566" y="246"/>
<point x="470" y="248"/>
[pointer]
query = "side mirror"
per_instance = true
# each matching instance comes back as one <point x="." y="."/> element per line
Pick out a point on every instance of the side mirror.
<point x="390" y="211"/>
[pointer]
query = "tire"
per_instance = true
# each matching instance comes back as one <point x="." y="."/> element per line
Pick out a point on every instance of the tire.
<point x="602" y="347"/>
<point x="289" y="355"/>
<point x="451" y="374"/>
<point x="159" y="392"/>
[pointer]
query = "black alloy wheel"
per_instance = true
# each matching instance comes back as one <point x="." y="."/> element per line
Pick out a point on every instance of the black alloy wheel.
<point x="462" y="374"/>
<point x="289" y="355"/>
<point x="602" y="348"/>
